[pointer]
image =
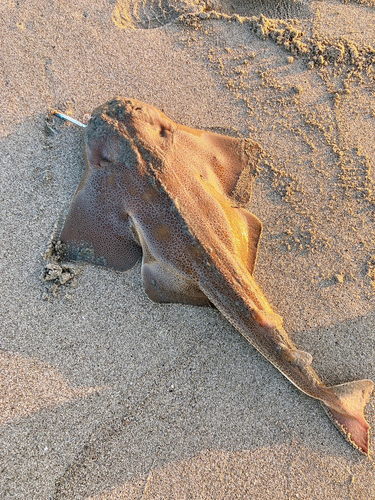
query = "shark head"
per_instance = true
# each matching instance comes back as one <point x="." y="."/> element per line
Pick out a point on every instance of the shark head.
<point x="131" y="150"/>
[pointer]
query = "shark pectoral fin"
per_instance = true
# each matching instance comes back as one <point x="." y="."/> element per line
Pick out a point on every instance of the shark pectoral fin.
<point x="96" y="233"/>
<point x="347" y="413"/>
<point x="241" y="161"/>
<point x="231" y="155"/>
<point x="251" y="241"/>
<point x="231" y="161"/>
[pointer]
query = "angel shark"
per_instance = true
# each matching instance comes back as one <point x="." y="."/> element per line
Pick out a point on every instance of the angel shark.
<point x="172" y="195"/>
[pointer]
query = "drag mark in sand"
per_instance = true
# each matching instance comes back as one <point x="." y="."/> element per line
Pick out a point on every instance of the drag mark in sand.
<point x="167" y="193"/>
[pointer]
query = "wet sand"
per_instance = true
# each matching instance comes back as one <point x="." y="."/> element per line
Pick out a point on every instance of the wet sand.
<point x="107" y="395"/>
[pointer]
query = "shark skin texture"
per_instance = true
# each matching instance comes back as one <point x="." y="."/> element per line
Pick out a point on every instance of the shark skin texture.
<point x="174" y="197"/>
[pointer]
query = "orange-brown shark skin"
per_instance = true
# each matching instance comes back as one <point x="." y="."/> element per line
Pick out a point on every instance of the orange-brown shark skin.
<point x="169" y="194"/>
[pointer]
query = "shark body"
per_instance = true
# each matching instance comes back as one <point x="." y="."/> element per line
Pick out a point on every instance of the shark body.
<point x="166" y="193"/>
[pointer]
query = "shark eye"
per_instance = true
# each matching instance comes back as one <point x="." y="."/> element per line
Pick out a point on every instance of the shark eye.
<point x="104" y="162"/>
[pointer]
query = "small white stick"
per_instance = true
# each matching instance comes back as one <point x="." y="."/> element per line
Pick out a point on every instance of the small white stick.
<point x="69" y="119"/>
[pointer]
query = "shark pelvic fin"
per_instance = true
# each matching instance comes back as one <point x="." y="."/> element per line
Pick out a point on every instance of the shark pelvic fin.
<point x="301" y="358"/>
<point x="296" y="357"/>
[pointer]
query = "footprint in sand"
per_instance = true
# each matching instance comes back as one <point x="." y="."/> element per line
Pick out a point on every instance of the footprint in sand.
<point x="145" y="14"/>
<point x="280" y="9"/>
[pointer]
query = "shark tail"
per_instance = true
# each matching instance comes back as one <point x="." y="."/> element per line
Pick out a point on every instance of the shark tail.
<point x="344" y="405"/>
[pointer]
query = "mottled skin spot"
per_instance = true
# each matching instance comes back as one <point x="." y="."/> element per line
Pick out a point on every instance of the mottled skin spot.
<point x="161" y="232"/>
<point x="160" y="191"/>
<point x="150" y="194"/>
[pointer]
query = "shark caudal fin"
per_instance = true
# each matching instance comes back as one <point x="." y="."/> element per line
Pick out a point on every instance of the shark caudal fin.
<point x="345" y="409"/>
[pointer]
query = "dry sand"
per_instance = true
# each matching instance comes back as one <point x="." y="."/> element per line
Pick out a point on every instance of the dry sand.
<point x="106" y="395"/>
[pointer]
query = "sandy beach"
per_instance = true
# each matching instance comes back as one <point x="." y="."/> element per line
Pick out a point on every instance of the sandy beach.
<point x="107" y="395"/>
